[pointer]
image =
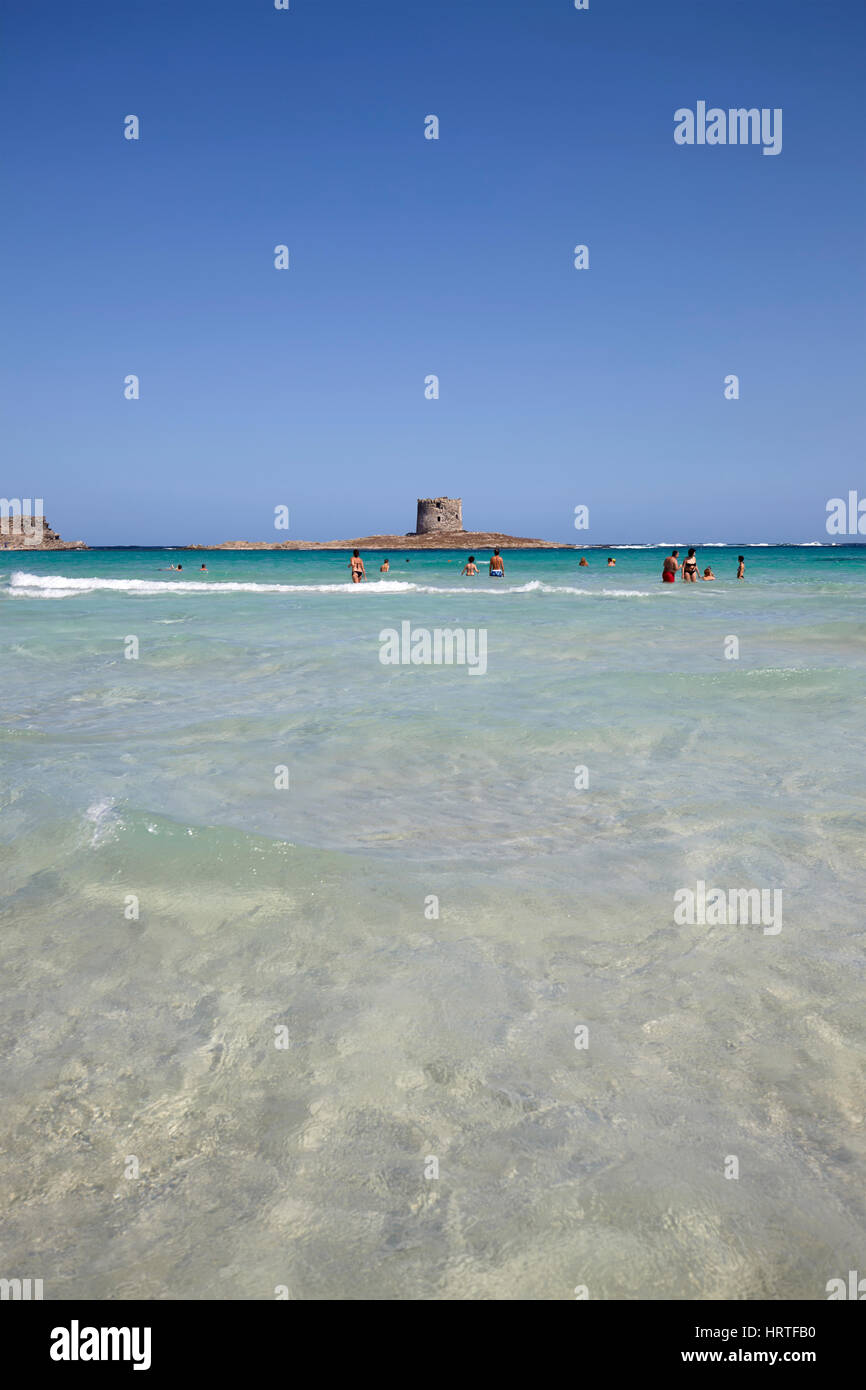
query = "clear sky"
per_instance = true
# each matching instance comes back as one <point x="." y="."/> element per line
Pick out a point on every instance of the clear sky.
<point x="411" y="257"/>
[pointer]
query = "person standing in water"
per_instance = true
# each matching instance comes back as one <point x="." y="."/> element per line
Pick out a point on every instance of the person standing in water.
<point x="356" y="565"/>
<point x="583" y="562"/>
<point x="384" y="568"/>
<point x="497" y="568"/>
<point x="471" y="567"/>
<point x="741" y="567"/>
<point x="610" y="561"/>
<point x="690" y="567"/>
<point x="670" y="565"/>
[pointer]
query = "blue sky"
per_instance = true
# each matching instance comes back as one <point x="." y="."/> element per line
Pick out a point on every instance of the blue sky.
<point x="409" y="257"/>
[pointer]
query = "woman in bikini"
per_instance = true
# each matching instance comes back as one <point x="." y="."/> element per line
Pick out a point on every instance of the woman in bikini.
<point x="356" y="565"/>
<point x="690" y="568"/>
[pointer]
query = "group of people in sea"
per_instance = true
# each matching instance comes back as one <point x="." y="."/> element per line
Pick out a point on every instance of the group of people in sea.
<point x="359" y="574"/>
<point x="688" y="570"/>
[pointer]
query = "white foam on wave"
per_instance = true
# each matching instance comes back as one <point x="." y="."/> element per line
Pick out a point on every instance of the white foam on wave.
<point x="716" y="545"/>
<point x="35" y="585"/>
<point x="23" y="585"/>
<point x="104" y="819"/>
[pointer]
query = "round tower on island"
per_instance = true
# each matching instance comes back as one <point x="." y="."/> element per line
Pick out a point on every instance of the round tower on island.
<point x="439" y="514"/>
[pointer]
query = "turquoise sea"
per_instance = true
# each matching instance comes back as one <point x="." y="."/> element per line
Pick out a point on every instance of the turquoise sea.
<point x="245" y="1024"/>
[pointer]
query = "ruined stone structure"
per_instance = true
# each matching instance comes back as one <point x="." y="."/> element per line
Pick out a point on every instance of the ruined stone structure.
<point x="439" y="527"/>
<point x="25" y="530"/>
<point x="439" y="514"/>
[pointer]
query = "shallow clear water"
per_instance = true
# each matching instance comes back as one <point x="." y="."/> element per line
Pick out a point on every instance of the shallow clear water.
<point x="412" y="1036"/>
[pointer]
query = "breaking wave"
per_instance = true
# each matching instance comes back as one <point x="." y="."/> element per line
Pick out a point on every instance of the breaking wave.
<point x="23" y="585"/>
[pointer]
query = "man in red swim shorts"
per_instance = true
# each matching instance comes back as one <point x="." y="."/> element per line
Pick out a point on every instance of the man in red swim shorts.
<point x="670" y="565"/>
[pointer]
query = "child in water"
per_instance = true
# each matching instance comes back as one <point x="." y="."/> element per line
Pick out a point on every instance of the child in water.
<point x="708" y="574"/>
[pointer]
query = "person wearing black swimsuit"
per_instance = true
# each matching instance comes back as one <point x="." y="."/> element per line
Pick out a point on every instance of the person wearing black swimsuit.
<point x="690" y="568"/>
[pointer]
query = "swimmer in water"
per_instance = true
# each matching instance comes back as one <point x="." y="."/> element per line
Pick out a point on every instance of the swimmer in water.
<point x="741" y="567"/>
<point x="470" y="567"/>
<point x="670" y="565"/>
<point x="384" y="568"/>
<point x="204" y="567"/>
<point x="708" y="574"/>
<point x="583" y="562"/>
<point x="356" y="565"/>
<point x="610" y="561"/>
<point x="497" y="568"/>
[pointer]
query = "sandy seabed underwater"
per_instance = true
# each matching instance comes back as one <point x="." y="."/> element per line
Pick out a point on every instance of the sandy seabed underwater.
<point x="285" y="1037"/>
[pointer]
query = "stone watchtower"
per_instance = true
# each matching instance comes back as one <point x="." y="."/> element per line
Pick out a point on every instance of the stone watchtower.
<point x="439" y="514"/>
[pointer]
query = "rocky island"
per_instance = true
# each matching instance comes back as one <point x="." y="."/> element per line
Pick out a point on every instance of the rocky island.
<point x="20" y="531"/>
<point x="438" y="526"/>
